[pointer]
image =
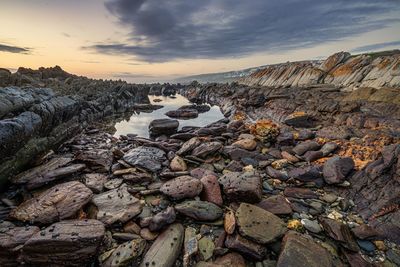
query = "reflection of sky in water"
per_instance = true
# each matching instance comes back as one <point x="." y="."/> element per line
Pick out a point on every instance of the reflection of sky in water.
<point x="139" y="123"/>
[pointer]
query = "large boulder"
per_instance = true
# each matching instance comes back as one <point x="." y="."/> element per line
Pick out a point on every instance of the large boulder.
<point x="59" y="202"/>
<point x="336" y="169"/>
<point x="163" y="126"/>
<point x="244" y="186"/>
<point x="66" y="243"/>
<point x="300" y="250"/>
<point x="149" y="158"/>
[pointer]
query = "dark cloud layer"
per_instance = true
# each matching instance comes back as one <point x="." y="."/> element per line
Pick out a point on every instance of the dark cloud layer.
<point x="175" y="29"/>
<point x="373" y="47"/>
<point x="14" y="49"/>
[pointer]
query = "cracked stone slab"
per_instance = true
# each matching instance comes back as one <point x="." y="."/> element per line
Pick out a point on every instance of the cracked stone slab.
<point x="116" y="205"/>
<point x="59" y="202"/>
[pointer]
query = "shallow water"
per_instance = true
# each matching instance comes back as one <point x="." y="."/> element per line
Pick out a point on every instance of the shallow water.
<point x="139" y="122"/>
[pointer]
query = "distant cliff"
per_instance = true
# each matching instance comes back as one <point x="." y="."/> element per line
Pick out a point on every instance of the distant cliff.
<point x="374" y="70"/>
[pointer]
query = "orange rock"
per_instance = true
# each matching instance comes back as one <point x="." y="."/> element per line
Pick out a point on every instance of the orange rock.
<point x="229" y="222"/>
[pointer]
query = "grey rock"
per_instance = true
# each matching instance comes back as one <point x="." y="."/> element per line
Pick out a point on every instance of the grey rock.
<point x="200" y="210"/>
<point x="149" y="158"/>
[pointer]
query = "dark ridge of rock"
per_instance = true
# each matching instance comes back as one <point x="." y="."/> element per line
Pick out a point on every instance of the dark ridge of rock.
<point x="163" y="126"/>
<point x="71" y="243"/>
<point x="183" y="113"/>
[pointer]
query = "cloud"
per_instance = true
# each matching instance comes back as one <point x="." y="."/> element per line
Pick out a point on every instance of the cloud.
<point x="179" y="29"/>
<point x="14" y="49"/>
<point x="373" y="47"/>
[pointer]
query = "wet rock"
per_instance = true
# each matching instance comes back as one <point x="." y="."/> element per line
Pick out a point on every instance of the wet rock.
<point x="182" y="187"/>
<point x="258" y="224"/>
<point x="207" y="149"/>
<point x="116" y="205"/>
<point x="303" y="147"/>
<point x="163" y="126"/>
<point x="245" y="247"/>
<point x="99" y="160"/>
<point x="11" y="241"/>
<point x="165" y="250"/>
<point x="124" y="254"/>
<point x="279" y="164"/>
<point x="211" y="190"/>
<point x="149" y="158"/>
<point x="95" y="181"/>
<point x="162" y="219"/>
<point x="248" y="144"/>
<point x="59" y="202"/>
<point x="183" y="113"/>
<point x="199" y="108"/>
<point x="178" y="164"/>
<point x="340" y="232"/>
<point x="366" y="246"/>
<point x="277" y="205"/>
<point x="200" y="210"/>
<point x="244" y="186"/>
<point x="71" y="243"/>
<point x="336" y="169"/>
<point x="189" y="145"/>
<point x="306" y="174"/>
<point x="297" y="192"/>
<point x="299" y="250"/>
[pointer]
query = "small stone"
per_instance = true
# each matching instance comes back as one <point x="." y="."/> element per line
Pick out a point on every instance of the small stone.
<point x="277" y="205"/>
<point x="294" y="224"/>
<point x="162" y="219"/>
<point x="303" y="147"/>
<point x="366" y="245"/>
<point x="178" y="164"/>
<point x="244" y="186"/>
<point x="258" y="224"/>
<point x="330" y="198"/>
<point x="206" y="248"/>
<point x="328" y="148"/>
<point x="248" y="144"/>
<point x="131" y="227"/>
<point x="229" y="222"/>
<point x="148" y="235"/>
<point x="182" y="187"/>
<point x="380" y="245"/>
<point x="200" y="210"/>
<point x="279" y="164"/>
<point x="289" y="157"/>
<point x="297" y="192"/>
<point x="312" y="226"/>
<point x="245" y="247"/>
<point x="211" y="190"/>
<point x="336" y="169"/>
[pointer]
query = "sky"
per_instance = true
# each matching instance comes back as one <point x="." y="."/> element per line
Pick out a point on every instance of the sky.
<point x="160" y="40"/>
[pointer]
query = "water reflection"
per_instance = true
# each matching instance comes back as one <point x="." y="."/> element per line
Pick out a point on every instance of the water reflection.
<point x="139" y="123"/>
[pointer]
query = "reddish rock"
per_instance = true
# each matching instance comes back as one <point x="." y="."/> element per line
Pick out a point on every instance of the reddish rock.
<point x="231" y="260"/>
<point x="277" y="205"/>
<point x="300" y="250"/>
<point x="340" y="232"/>
<point x="182" y="187"/>
<point x="297" y="192"/>
<point x="248" y="144"/>
<point x="245" y="247"/>
<point x="211" y="190"/>
<point x="244" y="186"/>
<point x="365" y="231"/>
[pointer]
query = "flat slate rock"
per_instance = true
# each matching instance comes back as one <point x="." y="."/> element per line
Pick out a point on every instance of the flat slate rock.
<point x="53" y="175"/>
<point x="189" y="145"/>
<point x="258" y="224"/>
<point x="200" y="210"/>
<point x="124" y="254"/>
<point x="242" y="186"/>
<point x="246" y="247"/>
<point x="116" y="205"/>
<point x="59" y="202"/>
<point x="166" y="248"/>
<point x="163" y="126"/>
<point x="41" y="170"/>
<point x="98" y="159"/>
<point x="182" y="187"/>
<point x="277" y="205"/>
<point x="11" y="241"/>
<point x="207" y="149"/>
<point x="149" y="158"/>
<point x="298" y="192"/>
<point x="71" y="242"/>
<point x="299" y="250"/>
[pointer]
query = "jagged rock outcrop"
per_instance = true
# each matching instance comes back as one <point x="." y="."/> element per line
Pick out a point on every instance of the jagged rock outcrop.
<point x="375" y="70"/>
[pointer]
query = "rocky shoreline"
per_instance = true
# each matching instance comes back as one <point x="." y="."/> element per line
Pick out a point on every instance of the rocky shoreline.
<point x="293" y="176"/>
